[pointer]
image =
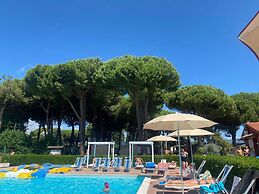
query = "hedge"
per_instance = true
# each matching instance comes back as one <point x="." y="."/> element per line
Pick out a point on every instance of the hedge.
<point x="62" y="159"/>
<point x="215" y="163"/>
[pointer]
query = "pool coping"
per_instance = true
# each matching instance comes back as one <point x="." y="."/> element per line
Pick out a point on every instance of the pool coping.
<point x="143" y="189"/>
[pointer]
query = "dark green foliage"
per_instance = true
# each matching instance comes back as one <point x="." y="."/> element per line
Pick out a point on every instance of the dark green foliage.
<point x="13" y="140"/>
<point x="205" y="101"/>
<point x="248" y="106"/>
<point x="216" y="162"/>
<point x="144" y="79"/>
<point x="11" y="96"/>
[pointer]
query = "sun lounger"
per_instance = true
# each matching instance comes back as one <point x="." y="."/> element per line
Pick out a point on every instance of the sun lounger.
<point x="149" y="167"/>
<point x="224" y="173"/>
<point x="127" y="165"/>
<point x="213" y="188"/>
<point x="77" y="166"/>
<point x="139" y="163"/>
<point x="96" y="164"/>
<point x="117" y="164"/>
<point x="162" y="168"/>
<point x="172" y="165"/>
<point x="106" y="164"/>
<point x="203" y="181"/>
<point x="248" y="182"/>
<point x="84" y="160"/>
<point x="236" y="180"/>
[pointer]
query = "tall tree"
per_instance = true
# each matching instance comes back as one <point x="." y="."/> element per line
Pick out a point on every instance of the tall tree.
<point x="142" y="78"/>
<point x="248" y="106"/>
<point x="76" y="79"/>
<point x="11" y="91"/>
<point x="209" y="102"/>
<point x="40" y="85"/>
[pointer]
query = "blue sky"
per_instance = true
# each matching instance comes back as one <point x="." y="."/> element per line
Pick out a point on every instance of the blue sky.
<point x="199" y="37"/>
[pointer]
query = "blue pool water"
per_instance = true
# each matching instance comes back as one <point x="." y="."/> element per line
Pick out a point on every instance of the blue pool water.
<point x="64" y="184"/>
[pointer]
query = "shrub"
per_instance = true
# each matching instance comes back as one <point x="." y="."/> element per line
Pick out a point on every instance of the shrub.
<point x="13" y="140"/>
<point x="216" y="162"/>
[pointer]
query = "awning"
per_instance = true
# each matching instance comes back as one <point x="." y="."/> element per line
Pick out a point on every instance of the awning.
<point x="247" y="136"/>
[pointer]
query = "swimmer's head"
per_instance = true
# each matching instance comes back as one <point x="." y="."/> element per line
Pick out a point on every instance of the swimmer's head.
<point x="106" y="184"/>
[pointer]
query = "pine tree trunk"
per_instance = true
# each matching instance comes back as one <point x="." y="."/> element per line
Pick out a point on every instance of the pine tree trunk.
<point x="142" y="114"/>
<point x="72" y="137"/>
<point x="47" y="117"/>
<point x="45" y="131"/>
<point x="1" y="115"/>
<point x="233" y="136"/>
<point x="1" y="118"/>
<point x="120" y="141"/>
<point x="59" y="131"/>
<point x="82" y="125"/>
<point x="38" y="135"/>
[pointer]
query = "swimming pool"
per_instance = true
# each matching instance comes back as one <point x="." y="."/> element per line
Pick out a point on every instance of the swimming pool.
<point x="66" y="184"/>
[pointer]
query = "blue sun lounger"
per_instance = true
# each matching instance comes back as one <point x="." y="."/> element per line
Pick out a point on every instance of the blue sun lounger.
<point x="127" y="165"/>
<point x="117" y="164"/>
<point x="97" y="164"/>
<point x="149" y="167"/>
<point x="106" y="164"/>
<point x="78" y="164"/>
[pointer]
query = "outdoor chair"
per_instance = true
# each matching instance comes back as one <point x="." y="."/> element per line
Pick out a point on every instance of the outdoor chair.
<point x="224" y="174"/>
<point x="149" y="167"/>
<point x="139" y="163"/>
<point x="236" y="180"/>
<point x="199" y="170"/>
<point x="220" y="180"/>
<point x="106" y="164"/>
<point x="249" y="183"/>
<point x="162" y="168"/>
<point x="96" y="164"/>
<point x="117" y="164"/>
<point x="127" y="165"/>
<point x="172" y="165"/>
<point x="76" y="164"/>
<point x="84" y="160"/>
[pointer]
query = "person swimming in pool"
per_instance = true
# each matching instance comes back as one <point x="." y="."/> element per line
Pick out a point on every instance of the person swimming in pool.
<point x="106" y="187"/>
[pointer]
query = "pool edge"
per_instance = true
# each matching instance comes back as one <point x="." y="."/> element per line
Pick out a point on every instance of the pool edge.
<point x="143" y="189"/>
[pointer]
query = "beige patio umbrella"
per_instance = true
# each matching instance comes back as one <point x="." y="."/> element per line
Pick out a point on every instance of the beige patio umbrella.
<point x="191" y="133"/>
<point x="161" y="138"/>
<point x="178" y="122"/>
<point x="250" y="35"/>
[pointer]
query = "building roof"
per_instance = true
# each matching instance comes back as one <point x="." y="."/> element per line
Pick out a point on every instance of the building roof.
<point x="247" y="136"/>
<point x="55" y="147"/>
<point x="253" y="126"/>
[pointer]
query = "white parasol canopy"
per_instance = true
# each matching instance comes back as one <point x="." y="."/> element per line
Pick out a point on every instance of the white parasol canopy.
<point x="250" y="35"/>
<point x="189" y="133"/>
<point x="161" y="138"/>
<point x="173" y="122"/>
<point x="192" y="132"/>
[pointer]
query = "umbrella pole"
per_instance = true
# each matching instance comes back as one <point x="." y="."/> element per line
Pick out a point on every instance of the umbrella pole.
<point x="192" y="156"/>
<point x="180" y="159"/>
<point x="162" y="150"/>
<point x="191" y="149"/>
